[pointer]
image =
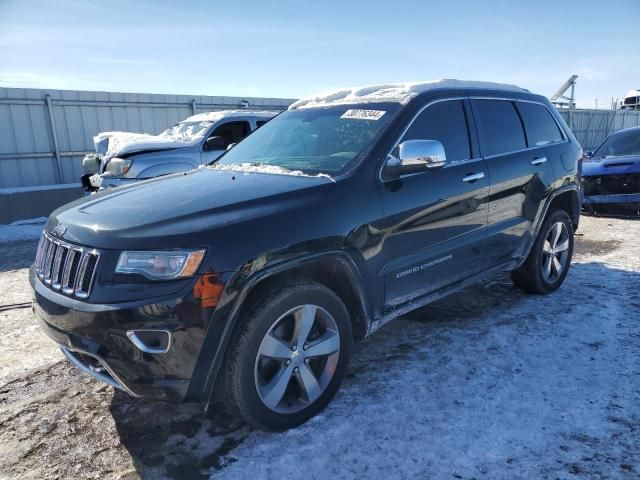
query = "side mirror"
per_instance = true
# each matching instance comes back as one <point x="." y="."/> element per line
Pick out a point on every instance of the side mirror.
<point x="416" y="156"/>
<point x="214" y="143"/>
<point x="588" y="154"/>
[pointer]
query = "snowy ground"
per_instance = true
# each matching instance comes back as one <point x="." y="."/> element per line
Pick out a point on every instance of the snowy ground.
<point x="22" y="230"/>
<point x="487" y="383"/>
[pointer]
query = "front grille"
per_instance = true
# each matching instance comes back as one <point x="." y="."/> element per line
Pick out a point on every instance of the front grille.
<point x="66" y="267"/>
<point x="612" y="184"/>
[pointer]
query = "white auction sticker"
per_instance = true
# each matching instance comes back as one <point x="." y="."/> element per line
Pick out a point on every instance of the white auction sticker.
<point x="364" y="114"/>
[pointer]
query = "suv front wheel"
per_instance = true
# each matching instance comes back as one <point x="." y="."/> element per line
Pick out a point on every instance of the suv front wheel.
<point x="289" y="356"/>
<point x="547" y="265"/>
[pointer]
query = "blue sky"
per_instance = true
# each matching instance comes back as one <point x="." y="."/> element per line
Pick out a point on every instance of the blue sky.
<point x="293" y="48"/>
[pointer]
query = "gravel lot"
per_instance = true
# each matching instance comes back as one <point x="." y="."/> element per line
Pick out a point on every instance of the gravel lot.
<point x="486" y="383"/>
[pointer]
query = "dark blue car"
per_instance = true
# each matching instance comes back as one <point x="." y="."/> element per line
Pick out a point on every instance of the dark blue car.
<point x="611" y="175"/>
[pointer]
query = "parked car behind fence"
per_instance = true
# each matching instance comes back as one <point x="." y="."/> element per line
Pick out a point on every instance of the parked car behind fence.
<point x="122" y="158"/>
<point x="611" y="175"/>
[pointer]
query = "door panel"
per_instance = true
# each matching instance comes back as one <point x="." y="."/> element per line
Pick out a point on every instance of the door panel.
<point x="433" y="230"/>
<point x="434" y="222"/>
<point x="519" y="179"/>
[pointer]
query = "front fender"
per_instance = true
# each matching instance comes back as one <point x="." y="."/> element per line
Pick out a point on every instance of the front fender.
<point x="237" y="289"/>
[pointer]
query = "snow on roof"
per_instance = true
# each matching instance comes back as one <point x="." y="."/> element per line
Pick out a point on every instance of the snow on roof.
<point x="633" y="93"/>
<point x="219" y="115"/>
<point x="393" y="92"/>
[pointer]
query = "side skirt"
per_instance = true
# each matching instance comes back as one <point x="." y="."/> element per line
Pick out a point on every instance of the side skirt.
<point x="423" y="299"/>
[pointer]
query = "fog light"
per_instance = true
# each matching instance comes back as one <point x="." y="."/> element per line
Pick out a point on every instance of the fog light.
<point x="151" y="341"/>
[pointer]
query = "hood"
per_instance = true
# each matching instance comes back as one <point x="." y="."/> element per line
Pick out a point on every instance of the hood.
<point x="611" y="166"/>
<point x="111" y="144"/>
<point x="178" y="210"/>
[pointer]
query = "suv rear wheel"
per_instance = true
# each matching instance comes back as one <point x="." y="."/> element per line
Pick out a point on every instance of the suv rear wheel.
<point x="550" y="257"/>
<point x="289" y="356"/>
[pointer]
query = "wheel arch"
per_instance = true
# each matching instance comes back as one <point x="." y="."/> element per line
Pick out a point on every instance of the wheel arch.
<point x="567" y="199"/>
<point x="335" y="270"/>
<point x="317" y="268"/>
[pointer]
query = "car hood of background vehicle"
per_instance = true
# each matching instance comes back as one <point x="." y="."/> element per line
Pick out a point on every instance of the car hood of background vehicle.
<point x="171" y="212"/>
<point x="111" y="144"/>
<point x="611" y="166"/>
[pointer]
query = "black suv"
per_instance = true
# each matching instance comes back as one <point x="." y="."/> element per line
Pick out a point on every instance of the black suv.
<point x="248" y="280"/>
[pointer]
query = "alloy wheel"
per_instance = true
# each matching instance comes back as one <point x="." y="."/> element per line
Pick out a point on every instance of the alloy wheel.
<point x="555" y="252"/>
<point x="297" y="359"/>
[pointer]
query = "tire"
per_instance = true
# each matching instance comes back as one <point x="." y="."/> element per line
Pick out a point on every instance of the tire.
<point x="539" y="273"/>
<point x="268" y="351"/>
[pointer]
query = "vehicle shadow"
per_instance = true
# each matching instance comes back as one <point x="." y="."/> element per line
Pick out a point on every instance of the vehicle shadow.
<point x="180" y="441"/>
<point x="168" y="440"/>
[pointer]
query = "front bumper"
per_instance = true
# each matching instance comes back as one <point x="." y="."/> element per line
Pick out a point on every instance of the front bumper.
<point x="612" y="194"/>
<point x="620" y="198"/>
<point x="94" y="338"/>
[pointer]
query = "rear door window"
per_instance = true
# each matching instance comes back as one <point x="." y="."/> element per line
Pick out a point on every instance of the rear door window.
<point x="500" y="125"/>
<point x="540" y="126"/>
<point x="446" y="122"/>
<point x="232" y="132"/>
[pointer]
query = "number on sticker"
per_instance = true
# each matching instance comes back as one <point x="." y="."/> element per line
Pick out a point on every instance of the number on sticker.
<point x="364" y="114"/>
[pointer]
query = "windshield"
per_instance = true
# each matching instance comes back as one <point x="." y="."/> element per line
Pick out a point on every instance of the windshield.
<point x="620" y="145"/>
<point x="187" y="130"/>
<point x="313" y="140"/>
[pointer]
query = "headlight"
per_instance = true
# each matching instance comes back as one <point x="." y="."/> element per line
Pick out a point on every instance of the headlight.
<point x="119" y="166"/>
<point x="161" y="265"/>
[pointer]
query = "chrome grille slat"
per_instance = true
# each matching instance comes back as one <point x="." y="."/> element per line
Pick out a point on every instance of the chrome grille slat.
<point x="81" y="271"/>
<point x="51" y="251"/>
<point x="61" y="254"/>
<point x="66" y="267"/>
<point x="41" y="244"/>
<point x="66" y="273"/>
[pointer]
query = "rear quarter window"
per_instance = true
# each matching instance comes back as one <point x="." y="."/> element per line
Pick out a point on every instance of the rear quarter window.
<point x="540" y="126"/>
<point x="500" y="125"/>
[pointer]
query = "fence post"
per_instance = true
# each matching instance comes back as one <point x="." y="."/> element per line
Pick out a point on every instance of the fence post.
<point x="55" y="137"/>
<point x="193" y="106"/>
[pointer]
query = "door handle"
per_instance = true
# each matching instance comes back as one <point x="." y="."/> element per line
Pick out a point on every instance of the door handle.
<point x="473" y="177"/>
<point x="538" y="161"/>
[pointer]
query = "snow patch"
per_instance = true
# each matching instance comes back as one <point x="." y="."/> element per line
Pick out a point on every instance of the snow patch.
<point x="22" y="230"/>
<point x="215" y="116"/>
<point x="272" y="169"/>
<point x="126" y="142"/>
<point x="392" y="92"/>
<point x="118" y="143"/>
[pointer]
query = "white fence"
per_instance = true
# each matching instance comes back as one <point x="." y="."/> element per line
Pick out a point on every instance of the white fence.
<point x="591" y="127"/>
<point x="45" y="133"/>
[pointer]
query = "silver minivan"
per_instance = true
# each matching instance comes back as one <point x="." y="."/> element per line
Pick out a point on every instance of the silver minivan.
<point x="122" y="158"/>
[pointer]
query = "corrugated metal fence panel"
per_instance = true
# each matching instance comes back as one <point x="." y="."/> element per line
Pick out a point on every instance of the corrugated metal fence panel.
<point x="591" y="127"/>
<point x="27" y="148"/>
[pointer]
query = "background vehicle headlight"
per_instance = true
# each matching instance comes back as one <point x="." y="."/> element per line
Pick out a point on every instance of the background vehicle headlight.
<point x="119" y="166"/>
<point x="161" y="265"/>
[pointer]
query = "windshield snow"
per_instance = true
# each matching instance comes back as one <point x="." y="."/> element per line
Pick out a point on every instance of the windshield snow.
<point x="313" y="140"/>
<point x="187" y="130"/>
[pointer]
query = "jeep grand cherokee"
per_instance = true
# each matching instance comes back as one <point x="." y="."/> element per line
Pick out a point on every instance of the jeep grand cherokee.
<point x="250" y="279"/>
